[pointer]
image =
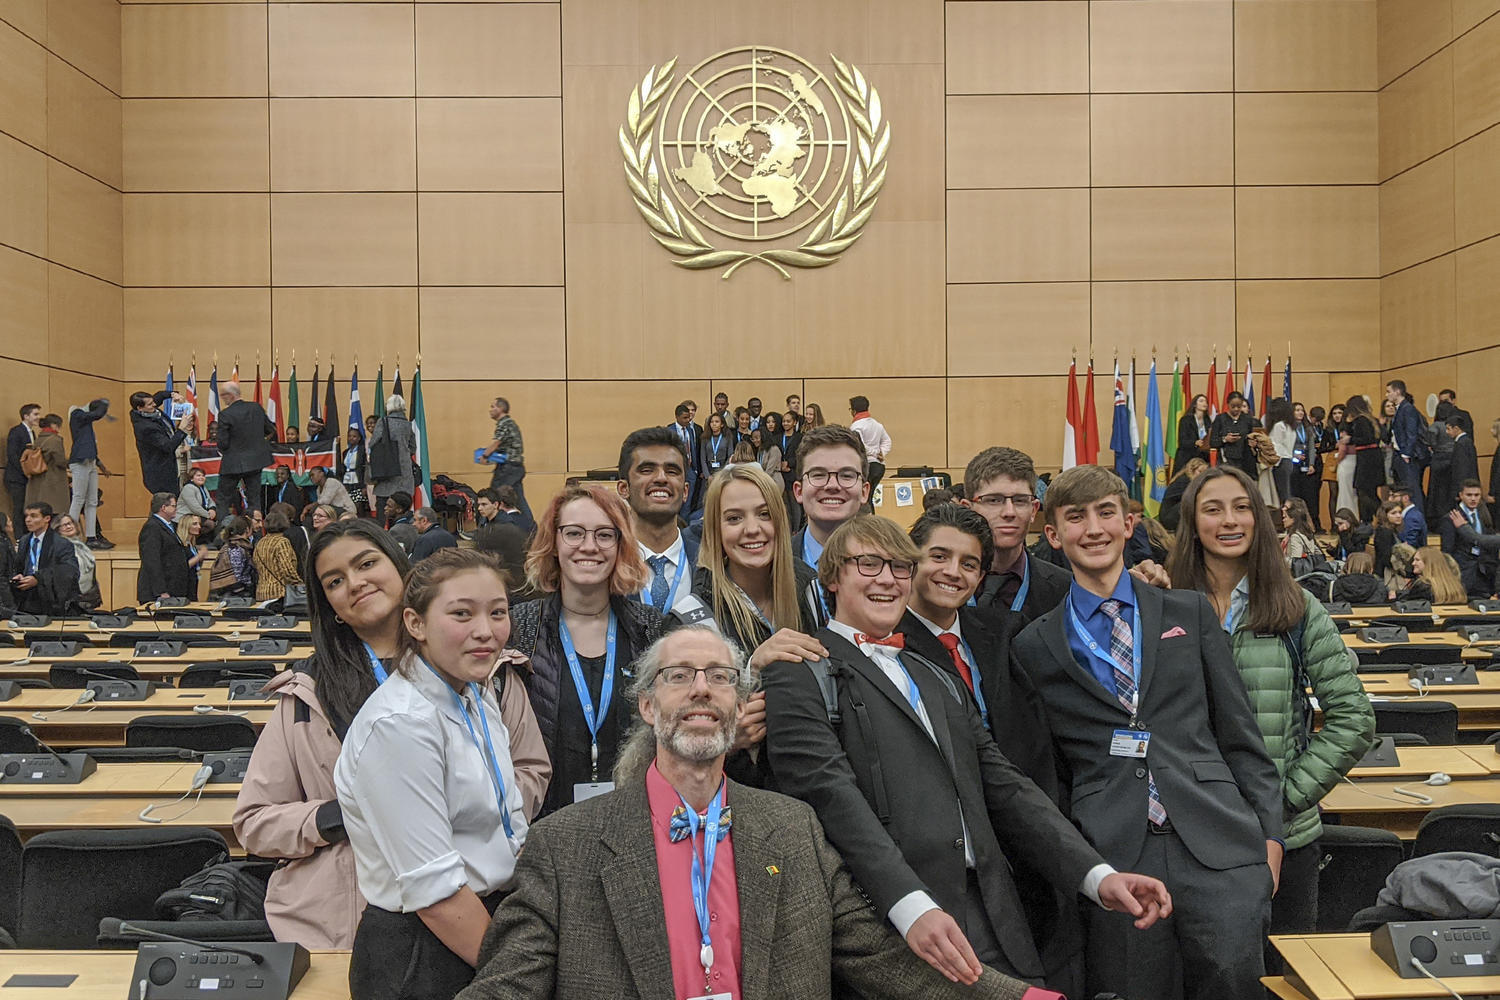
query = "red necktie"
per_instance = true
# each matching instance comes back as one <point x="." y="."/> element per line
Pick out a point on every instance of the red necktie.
<point x="950" y="643"/>
<point x="895" y="640"/>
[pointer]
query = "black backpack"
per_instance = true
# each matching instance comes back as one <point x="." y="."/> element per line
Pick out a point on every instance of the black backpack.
<point x="220" y="890"/>
<point x="386" y="460"/>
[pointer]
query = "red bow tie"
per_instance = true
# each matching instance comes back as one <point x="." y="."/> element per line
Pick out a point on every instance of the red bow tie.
<point x="895" y="640"/>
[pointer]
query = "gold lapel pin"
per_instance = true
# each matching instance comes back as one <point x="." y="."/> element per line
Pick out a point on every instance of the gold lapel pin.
<point x="772" y="870"/>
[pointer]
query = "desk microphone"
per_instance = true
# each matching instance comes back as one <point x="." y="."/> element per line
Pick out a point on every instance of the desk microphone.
<point x="26" y="730"/>
<point x="124" y="927"/>
<point x="88" y="695"/>
<point x="200" y="778"/>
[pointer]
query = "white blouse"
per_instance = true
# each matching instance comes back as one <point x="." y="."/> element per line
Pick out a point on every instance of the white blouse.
<point x="419" y="803"/>
<point x="1285" y="440"/>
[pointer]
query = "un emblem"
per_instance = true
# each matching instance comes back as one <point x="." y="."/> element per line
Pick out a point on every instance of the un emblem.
<point x="755" y="145"/>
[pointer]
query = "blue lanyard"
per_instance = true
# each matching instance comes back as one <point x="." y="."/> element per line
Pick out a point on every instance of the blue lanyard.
<point x="811" y="560"/>
<point x="375" y="664"/>
<point x="492" y="758"/>
<point x="671" y="594"/>
<point x="592" y="717"/>
<point x="714" y="447"/>
<point x="984" y="710"/>
<point x="1102" y="657"/>
<point x="36" y="553"/>
<point x="703" y="872"/>
<point x="1025" y="585"/>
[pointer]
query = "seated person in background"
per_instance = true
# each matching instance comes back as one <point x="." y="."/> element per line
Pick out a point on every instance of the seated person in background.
<point x="295" y="532"/>
<point x="1353" y="536"/>
<point x="431" y="535"/>
<point x="1412" y="527"/>
<point x="1171" y="501"/>
<point x="1434" y="578"/>
<point x="1383" y="535"/>
<point x="88" y="586"/>
<point x="275" y="560"/>
<point x="234" y="574"/>
<point x="324" y="515"/>
<point x="603" y="900"/>
<point x="286" y="490"/>
<point x="197" y="500"/>
<point x="508" y="509"/>
<point x="1469" y="537"/>
<point x="1358" y="584"/>
<point x="1301" y="548"/>
<point x="938" y="495"/>
<point x="328" y="490"/>
<point x="45" y="578"/>
<point x="164" y="568"/>
<point x="398" y="519"/>
<point x="293" y="436"/>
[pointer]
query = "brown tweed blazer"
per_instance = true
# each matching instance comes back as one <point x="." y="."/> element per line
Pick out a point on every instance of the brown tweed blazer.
<point x="586" y="918"/>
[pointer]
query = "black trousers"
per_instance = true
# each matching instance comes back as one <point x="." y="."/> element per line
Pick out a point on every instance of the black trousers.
<point x="1282" y="476"/>
<point x="1306" y="488"/>
<point x="511" y="474"/>
<point x="17" y="506"/>
<point x="1294" y="909"/>
<point x="228" y="494"/>
<point x="396" y="957"/>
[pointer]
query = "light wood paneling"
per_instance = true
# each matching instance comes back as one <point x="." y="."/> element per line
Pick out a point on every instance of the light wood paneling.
<point x="1016" y="329"/>
<point x="1015" y="412"/>
<point x="914" y="411"/>
<point x="23" y="87"/>
<point x="194" y="50"/>
<point x="1161" y="45"/>
<point x="343" y="144"/>
<point x="203" y="144"/>
<point x="913" y="96"/>
<point x="23" y="210"/>
<point x="1477" y="381"/>
<point x="1304" y="46"/>
<point x="197" y="239"/>
<point x="1468" y="13"/>
<point x="20" y="383"/>
<point x="906" y="31"/>
<point x="23" y="321"/>
<point x="343" y="239"/>
<point x="1037" y="140"/>
<point x="1409" y="31"/>
<point x="28" y="17"/>
<point x="1416" y="214"/>
<point x="84" y="229"/>
<point x="341" y="50"/>
<point x="1476" y="166"/>
<point x="87" y="34"/>
<point x="491" y="239"/>
<point x="458" y="422"/>
<point x="85" y="323"/>
<point x="1153" y="233"/>
<point x="488" y="50"/>
<point x="1018" y="235"/>
<point x="489" y="144"/>
<point x="606" y="299"/>
<point x="1307" y="232"/>
<point x="1333" y="325"/>
<point x="600" y="414"/>
<point x="1416" y="114"/>
<point x="595" y="98"/>
<point x="1162" y="140"/>
<point x="1421" y="379"/>
<point x="343" y="323"/>
<point x="83" y="123"/>
<point x="1478" y="294"/>
<point x="1139" y="316"/>
<point x="1306" y="138"/>
<point x="489" y="333"/>
<point x="1417" y="313"/>
<point x="603" y="33"/>
<point x="1476" y="78"/>
<point x="163" y="324"/>
<point x="1018" y="48"/>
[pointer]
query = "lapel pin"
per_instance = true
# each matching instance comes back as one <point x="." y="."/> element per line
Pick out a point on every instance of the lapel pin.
<point x="772" y="870"/>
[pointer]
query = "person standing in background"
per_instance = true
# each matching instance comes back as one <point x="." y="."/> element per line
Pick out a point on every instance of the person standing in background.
<point x="877" y="442"/>
<point x="156" y="441"/>
<point x="50" y="486"/>
<point x="508" y="442"/>
<point x="243" y="445"/>
<point x="85" y="468"/>
<point x="1410" y="452"/>
<point x="20" y="437"/>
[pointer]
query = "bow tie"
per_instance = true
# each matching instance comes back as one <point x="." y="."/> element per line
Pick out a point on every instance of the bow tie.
<point x="895" y="640"/>
<point x="680" y="831"/>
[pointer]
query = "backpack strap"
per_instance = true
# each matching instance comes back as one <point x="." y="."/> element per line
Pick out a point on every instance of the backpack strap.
<point x="1301" y="701"/>
<point x="690" y="610"/>
<point x="822" y="671"/>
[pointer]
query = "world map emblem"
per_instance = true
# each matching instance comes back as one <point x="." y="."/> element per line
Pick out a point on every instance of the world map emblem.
<point x="777" y="161"/>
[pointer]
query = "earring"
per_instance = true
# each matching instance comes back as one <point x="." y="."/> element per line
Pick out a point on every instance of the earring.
<point x="338" y="619"/>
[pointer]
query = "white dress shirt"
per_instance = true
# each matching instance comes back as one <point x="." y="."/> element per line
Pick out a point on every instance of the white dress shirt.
<point x="418" y="799"/>
<point x="1285" y="440"/>
<point x="674" y="555"/>
<point x="872" y="432"/>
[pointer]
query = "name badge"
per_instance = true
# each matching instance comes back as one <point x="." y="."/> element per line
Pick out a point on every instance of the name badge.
<point x="714" y="996"/>
<point x="588" y="789"/>
<point x="1129" y="743"/>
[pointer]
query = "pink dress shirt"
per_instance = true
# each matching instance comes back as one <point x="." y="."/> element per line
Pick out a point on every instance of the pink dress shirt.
<point x="674" y="864"/>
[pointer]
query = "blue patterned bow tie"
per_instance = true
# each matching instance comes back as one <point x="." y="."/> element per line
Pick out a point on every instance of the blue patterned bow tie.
<point x="679" y="829"/>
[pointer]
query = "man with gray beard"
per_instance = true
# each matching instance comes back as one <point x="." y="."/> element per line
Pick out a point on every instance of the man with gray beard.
<point x="681" y="883"/>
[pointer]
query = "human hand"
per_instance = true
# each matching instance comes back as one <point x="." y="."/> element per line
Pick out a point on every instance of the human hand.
<point x="1456" y="518"/>
<point x="1141" y="896"/>
<point x="936" y="939"/>
<point x="789" y="645"/>
<point x="1274" y="853"/>
<point x="25" y="583"/>
<point x="752" y="727"/>
<point x="1152" y="573"/>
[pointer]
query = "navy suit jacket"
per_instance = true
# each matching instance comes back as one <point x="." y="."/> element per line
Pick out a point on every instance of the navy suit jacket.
<point x="1414" y="528"/>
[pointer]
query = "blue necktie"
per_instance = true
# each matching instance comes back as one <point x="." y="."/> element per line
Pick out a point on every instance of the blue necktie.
<point x="36" y="553"/>
<point x="1474" y="520"/>
<point x="659" y="588"/>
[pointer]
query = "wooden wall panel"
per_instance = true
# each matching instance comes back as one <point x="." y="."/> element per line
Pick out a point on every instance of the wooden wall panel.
<point x="341" y="50"/>
<point x="491" y="239"/>
<point x="23" y="213"/>
<point x="914" y="187"/>
<point x="343" y="144"/>
<point x="1306" y="138"/>
<point x="1468" y="13"/>
<point x="1016" y="412"/>
<point x="459" y="422"/>
<point x="203" y="144"/>
<point x="1018" y="48"/>
<point x="488" y="50"/>
<point x="606" y="300"/>
<point x="1036" y="140"/>
<point x="1018" y="235"/>
<point x="1161" y="140"/>
<point x="1408" y="31"/>
<point x="1476" y="199"/>
<point x="344" y="239"/>
<point x="1333" y="325"/>
<point x="1142" y="316"/>
<point x="83" y="123"/>
<point x="1307" y="232"/>
<point x="912" y="410"/>
<point x="194" y="50"/>
<point x="1305" y="46"/>
<point x="1477" y="280"/>
<point x="166" y="324"/>
<point x="1416" y="115"/>
<point x="1416" y="214"/>
<point x="1417" y="313"/>
<point x="1146" y="233"/>
<point x="490" y="333"/>
<point x="85" y="324"/>
<point x="1016" y="329"/>
<point x="23" y="321"/>
<point x="1476" y="78"/>
<point x="27" y="16"/>
<point x="83" y="223"/>
<point x="600" y="414"/>
<point x="343" y="323"/>
<point x="1161" y="45"/>
<point x="23" y="87"/>
<point x="87" y="34"/>
<point x="490" y="144"/>
<point x="197" y="239"/>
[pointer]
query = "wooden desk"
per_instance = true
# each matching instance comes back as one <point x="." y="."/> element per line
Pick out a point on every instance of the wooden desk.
<point x="33" y="814"/>
<point x="1387" y="685"/>
<point x="1419" y="762"/>
<point x="105" y="975"/>
<point x="1353" y="641"/>
<point x="1343" y="967"/>
<point x="236" y="631"/>
<point x="164" y="780"/>
<point x="1478" y="708"/>
<point x="102" y="724"/>
<point x="1373" y="802"/>
<point x="149" y="667"/>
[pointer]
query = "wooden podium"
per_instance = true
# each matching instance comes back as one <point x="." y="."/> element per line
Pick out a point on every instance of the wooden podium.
<point x="1343" y="967"/>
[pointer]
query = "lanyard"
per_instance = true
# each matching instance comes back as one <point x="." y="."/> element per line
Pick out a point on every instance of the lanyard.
<point x="754" y="608"/>
<point x="1099" y="654"/>
<point x="714" y="447"/>
<point x="496" y="779"/>
<point x="671" y="594"/>
<point x="703" y="873"/>
<point x="375" y="664"/>
<point x="984" y="710"/>
<point x="1015" y="605"/>
<point x="812" y="560"/>
<point x="36" y="553"/>
<point x="592" y="717"/>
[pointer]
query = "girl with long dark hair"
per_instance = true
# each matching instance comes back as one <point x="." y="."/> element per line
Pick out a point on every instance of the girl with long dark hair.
<point x="1369" y="463"/>
<point x="1192" y="433"/>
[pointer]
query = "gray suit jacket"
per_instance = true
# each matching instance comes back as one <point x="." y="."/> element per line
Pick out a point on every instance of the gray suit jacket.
<point x="586" y="917"/>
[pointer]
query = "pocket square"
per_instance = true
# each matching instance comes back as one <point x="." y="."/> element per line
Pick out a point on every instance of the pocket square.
<point x="1174" y="632"/>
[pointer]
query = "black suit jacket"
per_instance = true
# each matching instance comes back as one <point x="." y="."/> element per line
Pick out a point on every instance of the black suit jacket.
<point x="56" y="575"/>
<point x="1464" y="465"/>
<point x="17" y="441"/>
<point x="156" y="442"/>
<point x="895" y="804"/>
<point x="243" y="427"/>
<point x="1049" y="585"/>
<point x="1219" y="786"/>
<point x="164" y="564"/>
<point x="287" y="492"/>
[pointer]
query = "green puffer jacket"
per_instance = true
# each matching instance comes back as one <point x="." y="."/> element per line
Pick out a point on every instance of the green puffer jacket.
<point x="1348" y="720"/>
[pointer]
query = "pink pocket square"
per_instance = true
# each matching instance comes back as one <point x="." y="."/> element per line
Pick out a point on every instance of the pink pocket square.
<point x="1174" y="632"/>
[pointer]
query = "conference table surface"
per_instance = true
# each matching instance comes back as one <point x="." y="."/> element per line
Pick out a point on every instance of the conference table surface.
<point x="1375" y="801"/>
<point x="113" y="798"/>
<point x="114" y="780"/>
<point x="15" y="662"/>
<point x="1439" y="613"/>
<point x="102" y="723"/>
<point x="1419" y="762"/>
<point x="1344" y="967"/>
<point x="106" y="975"/>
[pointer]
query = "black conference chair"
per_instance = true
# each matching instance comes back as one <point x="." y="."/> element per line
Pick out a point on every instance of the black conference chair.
<point x="1474" y="827"/>
<point x="10" y="875"/>
<point x="1355" y="864"/>
<point x="1437" y="721"/>
<point x="72" y="879"/>
<point x="15" y="735"/>
<point x="127" y="640"/>
<point x="67" y="675"/>
<point x="191" y="732"/>
<point x="1408" y="739"/>
<point x="1425" y="655"/>
<point x="220" y="673"/>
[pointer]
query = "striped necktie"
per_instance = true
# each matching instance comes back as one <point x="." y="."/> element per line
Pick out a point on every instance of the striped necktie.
<point x="1122" y="658"/>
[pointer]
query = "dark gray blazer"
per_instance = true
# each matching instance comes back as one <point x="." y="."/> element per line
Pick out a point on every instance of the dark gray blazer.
<point x="243" y="426"/>
<point x="586" y="916"/>
<point x="1219" y="786"/>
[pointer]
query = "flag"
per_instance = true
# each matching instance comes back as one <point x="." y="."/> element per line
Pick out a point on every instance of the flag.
<point x="191" y="395"/>
<point x="1135" y="434"/>
<point x="293" y="406"/>
<point x="1174" y="411"/>
<point x="1228" y="380"/>
<point x="331" y="405"/>
<point x="213" y="393"/>
<point x="1265" y="387"/>
<point x="379" y="392"/>
<point x="1248" y="390"/>
<point x="356" y="413"/>
<point x="273" y="407"/>
<point x="1187" y="379"/>
<point x="257" y="382"/>
<point x="170" y="389"/>
<point x="1121" y="435"/>
<point x="1286" y="380"/>
<point x="1213" y="389"/>
<point x="423" y="493"/>
<point x="1071" y="420"/>
<point x="234" y="374"/>
<point x="312" y="404"/>
<point x="1090" y="453"/>
<point x="1154" y="461"/>
<point x="396" y="388"/>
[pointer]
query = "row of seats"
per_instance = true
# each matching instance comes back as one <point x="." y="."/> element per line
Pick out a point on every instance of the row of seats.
<point x="174" y="732"/>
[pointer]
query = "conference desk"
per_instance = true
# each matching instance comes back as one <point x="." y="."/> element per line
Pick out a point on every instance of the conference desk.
<point x="1419" y="762"/>
<point x="17" y="662"/>
<point x="113" y="798"/>
<point x="1439" y="613"/>
<point x="1478" y="707"/>
<point x="1460" y="645"/>
<point x="168" y="780"/>
<point x="106" y="975"/>
<point x="1343" y="967"/>
<point x="102" y="723"/>
<point x="1374" y="801"/>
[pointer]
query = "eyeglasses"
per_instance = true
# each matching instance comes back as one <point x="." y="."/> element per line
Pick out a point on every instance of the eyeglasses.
<point x="819" y="477"/>
<point x="996" y="501"/>
<point x="869" y="565"/>
<point x="574" y="534"/>
<point x="719" y="677"/>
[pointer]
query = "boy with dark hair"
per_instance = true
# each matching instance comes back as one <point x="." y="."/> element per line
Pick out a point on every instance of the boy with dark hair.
<point x="832" y="487"/>
<point x="1468" y="536"/>
<point x="1001" y="484"/>
<point x="654" y="482"/>
<point x="1165" y="765"/>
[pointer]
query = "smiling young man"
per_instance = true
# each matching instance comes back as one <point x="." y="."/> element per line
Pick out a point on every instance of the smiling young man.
<point x="925" y="809"/>
<point x="1168" y="772"/>
<point x="1468" y="536"/>
<point x="653" y="481"/>
<point x="831" y="487"/>
<point x="1000" y="483"/>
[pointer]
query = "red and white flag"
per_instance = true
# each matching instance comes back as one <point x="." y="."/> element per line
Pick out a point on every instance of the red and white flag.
<point x="1072" y="436"/>
<point x="273" y="405"/>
